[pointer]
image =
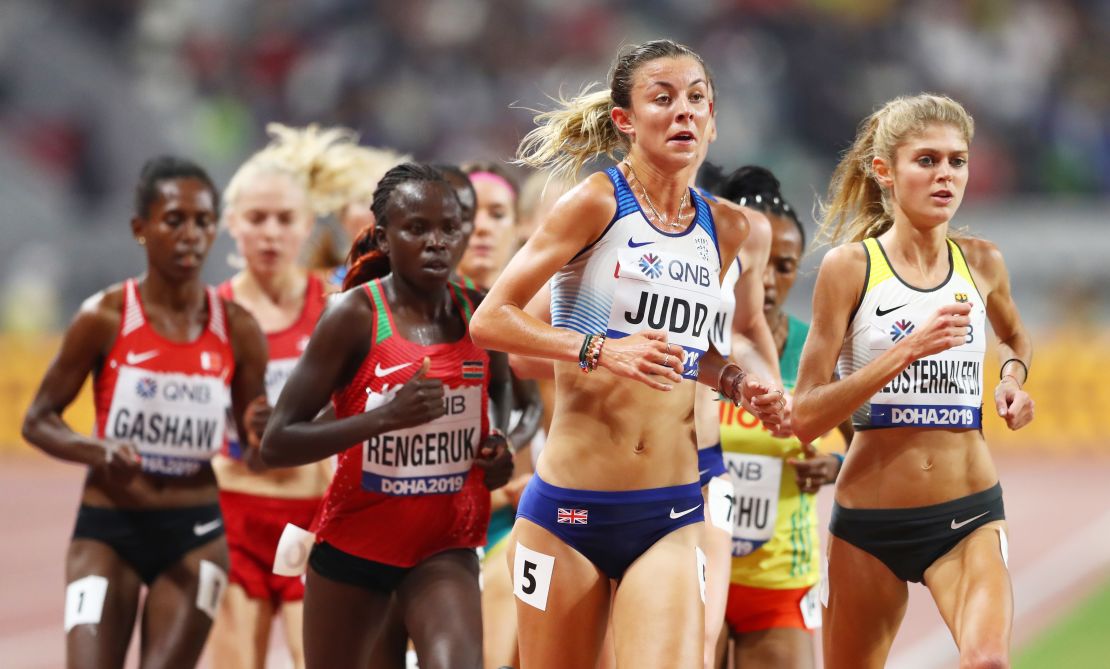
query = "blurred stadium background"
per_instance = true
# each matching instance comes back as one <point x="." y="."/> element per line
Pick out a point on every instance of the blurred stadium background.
<point x="91" y="88"/>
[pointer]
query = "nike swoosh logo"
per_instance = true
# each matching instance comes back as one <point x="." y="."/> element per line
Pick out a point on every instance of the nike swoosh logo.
<point x="879" y="311"/>
<point x="200" y="529"/>
<point x="386" y="371"/>
<point x="680" y="514"/>
<point x="139" y="358"/>
<point x="957" y="526"/>
<point x="703" y="472"/>
<point x="636" y="245"/>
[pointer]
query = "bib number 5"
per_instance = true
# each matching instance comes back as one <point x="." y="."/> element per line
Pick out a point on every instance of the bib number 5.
<point x="532" y="576"/>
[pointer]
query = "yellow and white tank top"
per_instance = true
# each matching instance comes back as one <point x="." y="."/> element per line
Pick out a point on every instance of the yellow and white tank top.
<point x="944" y="390"/>
<point x="636" y="277"/>
<point x="774" y="532"/>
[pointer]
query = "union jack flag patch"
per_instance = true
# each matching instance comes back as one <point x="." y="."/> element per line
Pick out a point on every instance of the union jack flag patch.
<point x="473" y="369"/>
<point x="572" y="516"/>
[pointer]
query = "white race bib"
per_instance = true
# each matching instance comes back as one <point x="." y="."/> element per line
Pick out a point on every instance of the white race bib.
<point x="277" y="373"/>
<point x="810" y="606"/>
<point x="177" y="421"/>
<point x="657" y="290"/>
<point x="756" y="479"/>
<point x="433" y="458"/>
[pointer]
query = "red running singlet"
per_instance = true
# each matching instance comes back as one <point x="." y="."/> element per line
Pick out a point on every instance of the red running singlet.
<point x="168" y="399"/>
<point x="401" y="497"/>
<point x="286" y="346"/>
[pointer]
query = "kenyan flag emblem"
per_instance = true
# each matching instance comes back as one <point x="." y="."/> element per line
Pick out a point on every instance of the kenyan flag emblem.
<point x="473" y="369"/>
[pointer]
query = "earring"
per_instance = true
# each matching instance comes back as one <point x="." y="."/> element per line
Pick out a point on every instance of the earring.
<point x="142" y="241"/>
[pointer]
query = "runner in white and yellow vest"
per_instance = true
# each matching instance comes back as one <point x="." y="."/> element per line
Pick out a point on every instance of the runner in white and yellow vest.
<point x="772" y="601"/>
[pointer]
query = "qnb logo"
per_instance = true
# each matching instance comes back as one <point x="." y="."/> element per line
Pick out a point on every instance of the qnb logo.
<point x="688" y="273"/>
<point x="146" y="388"/>
<point x="651" y="266"/>
<point x="900" y="329"/>
<point x="180" y="391"/>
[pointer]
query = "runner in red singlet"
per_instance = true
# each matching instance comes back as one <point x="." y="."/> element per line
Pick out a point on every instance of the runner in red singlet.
<point x="167" y="356"/>
<point x="269" y="212"/>
<point x="410" y="501"/>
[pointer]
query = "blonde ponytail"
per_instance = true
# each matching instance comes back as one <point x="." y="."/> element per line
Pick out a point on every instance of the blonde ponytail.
<point x="581" y="128"/>
<point x="856" y="206"/>
<point x="568" y="137"/>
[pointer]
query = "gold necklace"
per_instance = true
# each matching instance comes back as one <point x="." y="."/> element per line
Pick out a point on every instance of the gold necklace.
<point x="677" y="223"/>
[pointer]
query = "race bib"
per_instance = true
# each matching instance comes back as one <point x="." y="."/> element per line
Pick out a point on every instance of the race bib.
<point x="277" y="373"/>
<point x="942" y="390"/>
<point x="429" y="459"/>
<point x="177" y="421"/>
<point x="657" y="290"/>
<point x="810" y="606"/>
<point x="756" y="479"/>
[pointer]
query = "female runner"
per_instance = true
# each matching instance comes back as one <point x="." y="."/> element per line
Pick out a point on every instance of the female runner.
<point x="167" y="356"/>
<point x="901" y="309"/>
<point x="772" y="599"/>
<point x="268" y="211"/>
<point x="615" y="495"/>
<point x="410" y="500"/>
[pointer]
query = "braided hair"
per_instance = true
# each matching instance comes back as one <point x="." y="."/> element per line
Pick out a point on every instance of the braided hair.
<point x="752" y="186"/>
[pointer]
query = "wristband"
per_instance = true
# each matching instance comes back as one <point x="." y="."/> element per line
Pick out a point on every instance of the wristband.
<point x="1018" y="361"/>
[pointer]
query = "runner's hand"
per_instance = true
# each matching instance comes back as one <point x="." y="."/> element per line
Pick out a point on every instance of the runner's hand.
<point x="255" y="417"/>
<point x="814" y="469"/>
<point x="645" y="357"/>
<point x="785" y="429"/>
<point x="419" y="401"/>
<point x="946" y="329"/>
<point x="496" y="460"/>
<point x="121" y="460"/>
<point x="1013" y="403"/>
<point x="761" y="399"/>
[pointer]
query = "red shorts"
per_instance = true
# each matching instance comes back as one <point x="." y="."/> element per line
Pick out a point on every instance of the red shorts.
<point x="253" y="525"/>
<point x="755" y="609"/>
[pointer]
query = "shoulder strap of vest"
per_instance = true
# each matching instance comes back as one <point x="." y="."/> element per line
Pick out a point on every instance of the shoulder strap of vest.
<point x="133" y="317"/>
<point x="383" y="324"/>
<point x="878" y="269"/>
<point x="462" y="301"/>
<point x="703" y="218"/>
<point x="217" y="314"/>
<point x="626" y="201"/>
<point x="959" y="263"/>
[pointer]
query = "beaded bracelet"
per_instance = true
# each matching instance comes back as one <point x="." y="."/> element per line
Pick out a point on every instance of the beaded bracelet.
<point x="590" y="353"/>
<point x="595" y="354"/>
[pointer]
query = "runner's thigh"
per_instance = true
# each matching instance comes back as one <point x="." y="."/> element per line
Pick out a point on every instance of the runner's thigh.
<point x="971" y="586"/>
<point x="442" y="608"/>
<point x="866" y="605"/>
<point x="658" y="613"/>
<point x="341" y="622"/>
<point x="102" y="643"/>
<point x="179" y="607"/>
<point x="562" y="600"/>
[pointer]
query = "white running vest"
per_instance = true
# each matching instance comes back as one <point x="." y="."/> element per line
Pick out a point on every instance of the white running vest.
<point x="944" y="390"/>
<point x="636" y="277"/>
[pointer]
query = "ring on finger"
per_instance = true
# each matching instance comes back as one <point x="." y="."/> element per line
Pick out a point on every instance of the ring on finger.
<point x="667" y="360"/>
<point x="809" y="483"/>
